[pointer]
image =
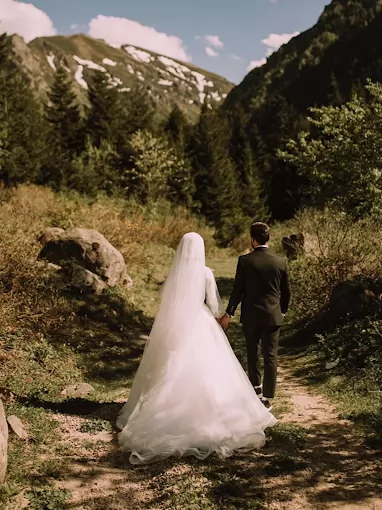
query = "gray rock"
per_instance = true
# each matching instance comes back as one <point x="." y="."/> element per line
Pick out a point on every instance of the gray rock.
<point x="89" y="249"/>
<point x="17" y="427"/>
<point x="86" y="281"/>
<point x="78" y="390"/>
<point x="3" y="444"/>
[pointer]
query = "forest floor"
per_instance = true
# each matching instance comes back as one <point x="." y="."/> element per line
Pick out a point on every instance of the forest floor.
<point x="313" y="459"/>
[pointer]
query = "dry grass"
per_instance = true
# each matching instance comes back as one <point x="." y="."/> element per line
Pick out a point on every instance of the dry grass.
<point x="49" y="337"/>
<point x="32" y="303"/>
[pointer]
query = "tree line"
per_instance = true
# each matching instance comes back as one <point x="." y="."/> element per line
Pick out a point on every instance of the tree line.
<point x="116" y="145"/>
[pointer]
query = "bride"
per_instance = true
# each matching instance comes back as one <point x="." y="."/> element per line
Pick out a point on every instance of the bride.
<point x="190" y="395"/>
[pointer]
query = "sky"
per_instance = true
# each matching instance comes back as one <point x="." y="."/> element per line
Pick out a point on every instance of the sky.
<point x="228" y="37"/>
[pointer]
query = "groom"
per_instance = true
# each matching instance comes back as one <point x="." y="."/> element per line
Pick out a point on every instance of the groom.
<point x="262" y="287"/>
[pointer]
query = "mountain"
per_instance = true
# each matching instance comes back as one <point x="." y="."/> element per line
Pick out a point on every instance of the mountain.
<point x="339" y="32"/>
<point x="323" y="66"/>
<point x="166" y="80"/>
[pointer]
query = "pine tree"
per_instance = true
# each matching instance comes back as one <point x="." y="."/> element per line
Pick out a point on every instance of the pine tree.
<point x="181" y="182"/>
<point x="251" y="187"/>
<point x="104" y="114"/>
<point x="66" y="134"/>
<point x="21" y="124"/>
<point x="215" y="180"/>
<point x="139" y="110"/>
<point x="63" y="115"/>
<point x="176" y="129"/>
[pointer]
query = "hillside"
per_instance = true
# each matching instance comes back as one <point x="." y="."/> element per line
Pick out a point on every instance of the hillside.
<point x="320" y="51"/>
<point x="323" y="66"/>
<point x="167" y="81"/>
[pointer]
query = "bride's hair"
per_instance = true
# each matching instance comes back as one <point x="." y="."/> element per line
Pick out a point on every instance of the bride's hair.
<point x="260" y="232"/>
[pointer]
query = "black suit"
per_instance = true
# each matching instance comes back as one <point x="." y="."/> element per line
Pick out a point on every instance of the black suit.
<point x="262" y="286"/>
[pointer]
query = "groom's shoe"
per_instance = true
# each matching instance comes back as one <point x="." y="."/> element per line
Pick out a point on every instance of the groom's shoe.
<point x="266" y="403"/>
<point x="258" y="390"/>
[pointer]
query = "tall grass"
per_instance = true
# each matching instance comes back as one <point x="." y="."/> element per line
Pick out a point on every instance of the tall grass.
<point x="32" y="302"/>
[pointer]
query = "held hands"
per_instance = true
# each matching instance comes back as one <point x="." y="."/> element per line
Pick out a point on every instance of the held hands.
<point x="224" y="321"/>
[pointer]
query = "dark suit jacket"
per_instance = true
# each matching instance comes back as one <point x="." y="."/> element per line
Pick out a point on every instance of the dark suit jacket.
<point x="262" y="286"/>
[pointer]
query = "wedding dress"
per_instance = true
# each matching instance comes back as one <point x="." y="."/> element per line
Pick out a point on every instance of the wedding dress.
<point x="190" y="395"/>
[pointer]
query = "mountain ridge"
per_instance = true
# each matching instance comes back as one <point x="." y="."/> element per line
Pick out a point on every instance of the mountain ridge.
<point x="167" y="81"/>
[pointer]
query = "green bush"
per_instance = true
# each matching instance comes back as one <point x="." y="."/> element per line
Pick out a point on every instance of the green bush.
<point x="358" y="347"/>
<point x="336" y="249"/>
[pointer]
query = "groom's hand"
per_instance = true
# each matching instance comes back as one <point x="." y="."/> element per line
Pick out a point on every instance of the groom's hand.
<point x="224" y="321"/>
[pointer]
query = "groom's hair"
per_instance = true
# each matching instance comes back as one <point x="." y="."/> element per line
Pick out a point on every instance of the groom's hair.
<point x="260" y="232"/>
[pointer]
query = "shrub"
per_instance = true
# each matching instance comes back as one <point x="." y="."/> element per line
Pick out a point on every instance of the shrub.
<point x="358" y="347"/>
<point x="336" y="249"/>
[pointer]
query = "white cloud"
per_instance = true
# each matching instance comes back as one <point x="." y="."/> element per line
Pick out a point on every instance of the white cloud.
<point x="24" y="19"/>
<point x="120" y="31"/>
<point x="274" y="41"/>
<point x="214" y="41"/>
<point x="256" y="63"/>
<point x="211" y="52"/>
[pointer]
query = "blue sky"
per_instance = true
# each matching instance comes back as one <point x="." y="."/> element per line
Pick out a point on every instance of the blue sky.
<point x="239" y="27"/>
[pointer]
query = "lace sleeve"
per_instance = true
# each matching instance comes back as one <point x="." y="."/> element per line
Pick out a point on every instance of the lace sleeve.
<point x="213" y="299"/>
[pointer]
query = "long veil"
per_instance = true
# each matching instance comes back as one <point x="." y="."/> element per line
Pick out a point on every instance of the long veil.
<point x="182" y="296"/>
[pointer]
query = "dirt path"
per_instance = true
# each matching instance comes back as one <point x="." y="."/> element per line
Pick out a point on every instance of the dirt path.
<point x="313" y="460"/>
<point x="338" y="471"/>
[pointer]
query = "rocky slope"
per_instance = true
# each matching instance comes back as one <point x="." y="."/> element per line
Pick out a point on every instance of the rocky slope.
<point x="166" y="80"/>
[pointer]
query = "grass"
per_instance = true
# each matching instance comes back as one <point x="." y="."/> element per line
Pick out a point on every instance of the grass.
<point x="51" y="338"/>
<point x="29" y="473"/>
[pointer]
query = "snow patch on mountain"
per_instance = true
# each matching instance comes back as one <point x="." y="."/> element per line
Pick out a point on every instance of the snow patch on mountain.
<point x="140" y="55"/>
<point x="80" y="78"/>
<point x="89" y="64"/>
<point x="165" y="82"/>
<point x="115" y="81"/>
<point x="50" y="59"/>
<point x="109" y="62"/>
<point x="169" y="73"/>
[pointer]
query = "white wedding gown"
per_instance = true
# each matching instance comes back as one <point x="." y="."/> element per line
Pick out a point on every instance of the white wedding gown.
<point x="190" y="395"/>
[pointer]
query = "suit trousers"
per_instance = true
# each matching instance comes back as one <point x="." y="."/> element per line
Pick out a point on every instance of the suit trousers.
<point x="265" y="339"/>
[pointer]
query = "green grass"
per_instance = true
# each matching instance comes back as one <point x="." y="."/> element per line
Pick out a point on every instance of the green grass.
<point x="27" y="464"/>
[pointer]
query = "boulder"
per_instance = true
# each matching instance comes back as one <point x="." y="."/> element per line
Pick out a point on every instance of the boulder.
<point x="85" y="281"/>
<point x="78" y="390"/>
<point x="3" y="444"/>
<point x="293" y="245"/>
<point x="88" y="249"/>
